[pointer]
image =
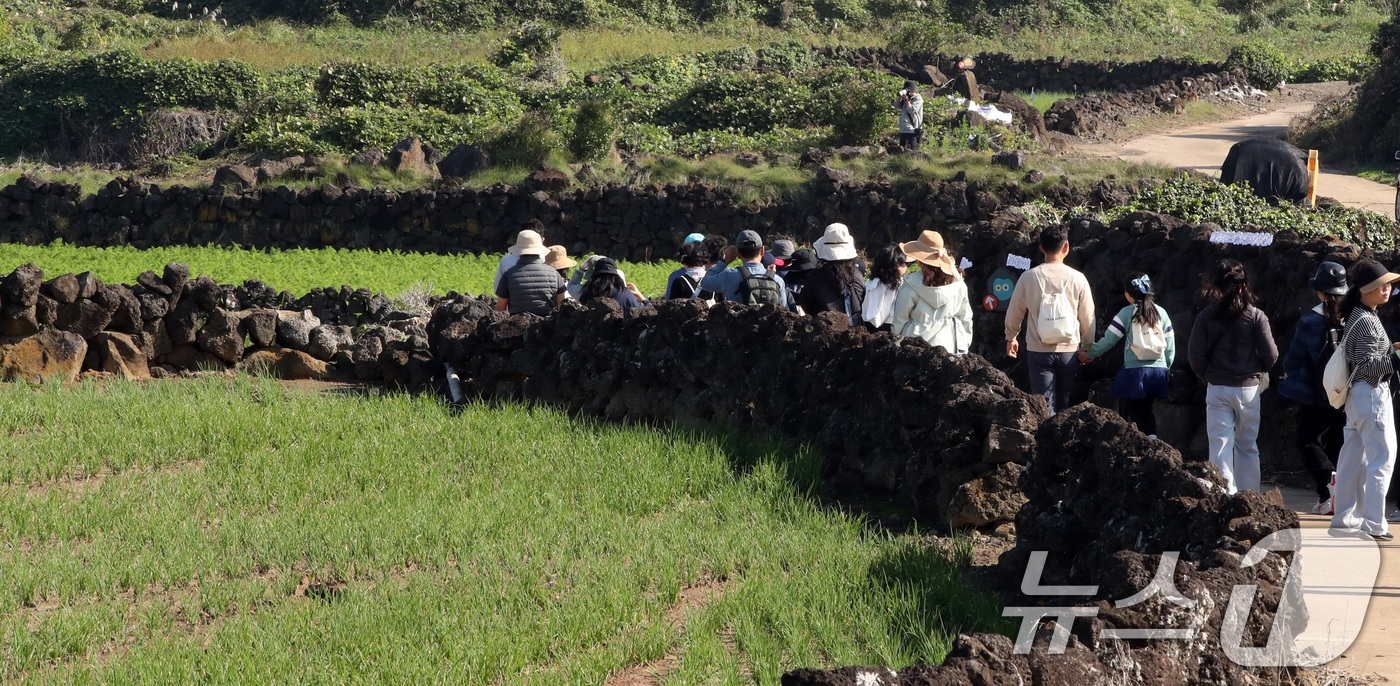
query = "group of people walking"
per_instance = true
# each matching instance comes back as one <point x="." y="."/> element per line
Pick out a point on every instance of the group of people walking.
<point x="1350" y="452"/>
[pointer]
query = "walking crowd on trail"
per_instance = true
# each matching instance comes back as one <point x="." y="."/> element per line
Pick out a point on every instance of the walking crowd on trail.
<point x="1339" y="369"/>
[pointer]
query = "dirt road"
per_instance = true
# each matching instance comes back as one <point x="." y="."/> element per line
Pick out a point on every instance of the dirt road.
<point x="1375" y="651"/>
<point x="1203" y="148"/>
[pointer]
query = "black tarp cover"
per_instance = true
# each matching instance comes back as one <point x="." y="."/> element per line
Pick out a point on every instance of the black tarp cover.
<point x="1273" y="168"/>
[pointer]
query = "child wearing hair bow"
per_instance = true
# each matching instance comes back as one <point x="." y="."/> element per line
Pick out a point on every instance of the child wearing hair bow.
<point x="1148" y="351"/>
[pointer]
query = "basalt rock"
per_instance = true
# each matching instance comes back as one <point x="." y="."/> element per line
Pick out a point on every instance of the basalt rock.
<point x="119" y="355"/>
<point x="21" y="286"/>
<point x="284" y="363"/>
<point x="46" y="356"/>
<point x="220" y="336"/>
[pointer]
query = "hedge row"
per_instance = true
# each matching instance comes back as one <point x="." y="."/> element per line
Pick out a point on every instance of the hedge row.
<point x="780" y="94"/>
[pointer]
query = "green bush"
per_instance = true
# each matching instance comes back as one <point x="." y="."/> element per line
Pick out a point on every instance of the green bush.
<point x="381" y="126"/>
<point x="1351" y="69"/>
<point x="744" y="102"/>
<point x="856" y="105"/>
<point x="530" y="143"/>
<point x="48" y="103"/>
<point x="787" y="57"/>
<point x="1234" y="207"/>
<point x="594" y="132"/>
<point x="1263" y="65"/>
<point x="526" y="44"/>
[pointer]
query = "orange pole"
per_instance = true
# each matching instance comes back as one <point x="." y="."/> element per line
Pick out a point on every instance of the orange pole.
<point x="1312" y="178"/>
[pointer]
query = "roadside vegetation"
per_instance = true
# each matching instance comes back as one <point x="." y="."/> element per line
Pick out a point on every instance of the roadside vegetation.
<point x="315" y="538"/>
<point x="152" y="85"/>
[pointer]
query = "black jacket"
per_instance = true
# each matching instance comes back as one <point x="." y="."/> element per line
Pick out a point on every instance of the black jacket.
<point x="530" y="286"/>
<point x="822" y="292"/>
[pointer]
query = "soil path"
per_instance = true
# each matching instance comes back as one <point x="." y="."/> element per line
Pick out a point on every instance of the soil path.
<point x="1377" y="647"/>
<point x="1203" y="148"/>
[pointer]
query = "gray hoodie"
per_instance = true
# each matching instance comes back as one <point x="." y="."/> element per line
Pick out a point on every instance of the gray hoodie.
<point x="940" y="315"/>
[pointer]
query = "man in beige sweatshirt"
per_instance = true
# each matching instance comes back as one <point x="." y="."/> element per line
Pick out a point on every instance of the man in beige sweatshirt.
<point x="1051" y="355"/>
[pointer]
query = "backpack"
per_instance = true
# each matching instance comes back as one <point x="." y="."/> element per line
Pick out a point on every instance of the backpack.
<point x="1331" y="339"/>
<point x="759" y="289"/>
<point x="1148" y="343"/>
<point x="1056" y="322"/>
<point x="1336" y="376"/>
<point x="691" y="285"/>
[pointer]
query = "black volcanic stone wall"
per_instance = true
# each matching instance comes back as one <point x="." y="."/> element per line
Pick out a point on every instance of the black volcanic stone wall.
<point x="624" y="222"/>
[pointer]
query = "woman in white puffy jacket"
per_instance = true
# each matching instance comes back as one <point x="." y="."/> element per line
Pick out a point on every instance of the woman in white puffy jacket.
<point x="934" y="305"/>
<point x="887" y="269"/>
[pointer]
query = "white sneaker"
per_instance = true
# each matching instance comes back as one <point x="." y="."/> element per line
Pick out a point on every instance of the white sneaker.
<point x="1324" y="507"/>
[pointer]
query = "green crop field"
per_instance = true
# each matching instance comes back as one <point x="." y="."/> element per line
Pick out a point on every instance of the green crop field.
<point x="300" y="270"/>
<point x="310" y="538"/>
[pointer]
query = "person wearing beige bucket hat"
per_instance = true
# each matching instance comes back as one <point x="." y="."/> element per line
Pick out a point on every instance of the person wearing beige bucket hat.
<point x="838" y="284"/>
<point x="934" y="305"/>
<point x="532" y="285"/>
<point x="526" y="237"/>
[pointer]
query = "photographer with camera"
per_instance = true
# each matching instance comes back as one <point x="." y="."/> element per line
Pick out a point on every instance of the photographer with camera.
<point x="911" y="116"/>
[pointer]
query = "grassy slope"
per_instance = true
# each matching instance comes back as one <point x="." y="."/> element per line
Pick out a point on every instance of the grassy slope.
<point x="549" y="557"/>
<point x="1195" y="29"/>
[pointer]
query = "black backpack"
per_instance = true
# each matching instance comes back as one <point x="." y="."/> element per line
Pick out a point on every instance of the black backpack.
<point x="759" y="289"/>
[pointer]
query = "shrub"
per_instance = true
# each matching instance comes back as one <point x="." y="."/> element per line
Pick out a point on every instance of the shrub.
<point x="1233" y="207"/>
<point x="855" y="104"/>
<point x="527" y="43"/>
<point x="1263" y="65"/>
<point x="1387" y="36"/>
<point x="49" y="102"/>
<point x="530" y="143"/>
<point x="594" y="131"/>
<point x="744" y="102"/>
<point x="381" y="126"/>
<point x="787" y="57"/>
<point x="1352" y="68"/>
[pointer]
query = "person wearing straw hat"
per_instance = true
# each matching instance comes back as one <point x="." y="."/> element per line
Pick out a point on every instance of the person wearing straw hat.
<point x="934" y="305"/>
<point x="1367" y="458"/>
<point x="531" y="285"/>
<point x="513" y="255"/>
<point x="558" y="258"/>
<point x="838" y="284"/>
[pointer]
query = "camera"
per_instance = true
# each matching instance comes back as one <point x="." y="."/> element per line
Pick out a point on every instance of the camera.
<point x="903" y="93"/>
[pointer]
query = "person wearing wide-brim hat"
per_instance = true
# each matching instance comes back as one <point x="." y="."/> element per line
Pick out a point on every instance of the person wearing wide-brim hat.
<point x="558" y="258"/>
<point x="838" y="284"/>
<point x="934" y="305"/>
<point x="531" y="285"/>
<point x="1318" y="432"/>
<point x="526" y="237"/>
<point x="1367" y="458"/>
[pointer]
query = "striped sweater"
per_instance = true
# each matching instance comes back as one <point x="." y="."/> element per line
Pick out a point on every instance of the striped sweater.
<point x="1367" y="347"/>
